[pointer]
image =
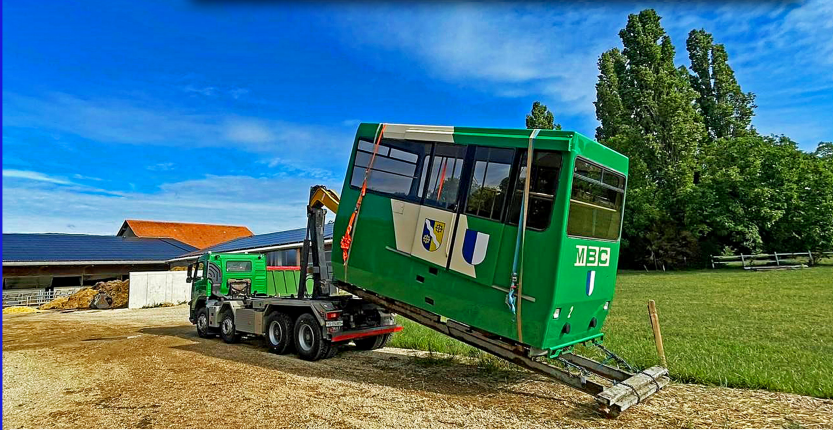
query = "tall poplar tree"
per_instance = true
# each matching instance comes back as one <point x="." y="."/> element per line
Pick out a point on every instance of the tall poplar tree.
<point x="727" y="111"/>
<point x="647" y="111"/>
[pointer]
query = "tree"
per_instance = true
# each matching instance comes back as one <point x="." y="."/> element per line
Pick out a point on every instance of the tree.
<point x="540" y="117"/>
<point x="824" y="150"/>
<point x="737" y="199"/>
<point x="727" y="111"/>
<point x="702" y="181"/>
<point x="804" y="180"/>
<point x="647" y="111"/>
<point x="646" y="106"/>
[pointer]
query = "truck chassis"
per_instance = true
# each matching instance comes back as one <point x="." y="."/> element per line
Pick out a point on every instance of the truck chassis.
<point x="315" y="328"/>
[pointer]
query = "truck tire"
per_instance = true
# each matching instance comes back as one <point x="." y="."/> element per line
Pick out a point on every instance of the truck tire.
<point x="307" y="337"/>
<point x="373" y="342"/>
<point x="227" y="327"/>
<point x="332" y="351"/>
<point x="202" y="322"/>
<point x="279" y="332"/>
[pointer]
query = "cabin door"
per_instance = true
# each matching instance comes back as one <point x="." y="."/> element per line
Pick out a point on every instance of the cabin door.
<point x="435" y="222"/>
<point x="479" y="228"/>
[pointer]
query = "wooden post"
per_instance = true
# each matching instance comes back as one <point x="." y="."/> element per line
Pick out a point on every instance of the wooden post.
<point x="656" y="332"/>
<point x="777" y="257"/>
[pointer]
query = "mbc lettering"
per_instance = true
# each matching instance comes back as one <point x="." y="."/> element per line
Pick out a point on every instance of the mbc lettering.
<point x="596" y="256"/>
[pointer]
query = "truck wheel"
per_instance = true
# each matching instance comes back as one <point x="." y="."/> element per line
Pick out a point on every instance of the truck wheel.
<point x="279" y="331"/>
<point x="332" y="351"/>
<point x="227" y="328"/>
<point x="307" y="336"/>
<point x="202" y="322"/>
<point x="373" y="342"/>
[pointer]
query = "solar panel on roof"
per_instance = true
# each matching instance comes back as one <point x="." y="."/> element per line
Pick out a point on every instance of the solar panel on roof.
<point x="22" y="247"/>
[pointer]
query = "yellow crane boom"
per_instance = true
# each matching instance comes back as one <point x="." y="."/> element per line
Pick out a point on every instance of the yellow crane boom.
<point x="321" y="196"/>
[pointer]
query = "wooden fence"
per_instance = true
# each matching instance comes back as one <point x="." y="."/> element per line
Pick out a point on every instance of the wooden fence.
<point x="782" y="260"/>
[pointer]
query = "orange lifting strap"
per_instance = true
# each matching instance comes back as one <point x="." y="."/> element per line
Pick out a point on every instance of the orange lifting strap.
<point x="348" y="237"/>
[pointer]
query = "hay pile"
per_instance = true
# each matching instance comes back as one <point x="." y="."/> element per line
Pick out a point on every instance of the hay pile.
<point x="81" y="299"/>
<point x="18" y="310"/>
<point x="118" y="290"/>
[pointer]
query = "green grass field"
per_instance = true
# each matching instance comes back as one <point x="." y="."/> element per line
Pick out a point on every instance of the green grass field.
<point x="769" y="330"/>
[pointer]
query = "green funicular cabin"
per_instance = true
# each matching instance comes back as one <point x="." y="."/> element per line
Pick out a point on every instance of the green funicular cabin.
<point x="438" y="227"/>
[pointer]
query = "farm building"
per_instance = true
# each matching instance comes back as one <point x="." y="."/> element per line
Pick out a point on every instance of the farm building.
<point x="34" y="262"/>
<point x="196" y="235"/>
<point x="282" y="248"/>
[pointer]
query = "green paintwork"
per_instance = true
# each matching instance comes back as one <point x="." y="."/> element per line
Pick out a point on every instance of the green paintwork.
<point x="274" y="282"/>
<point x="285" y="282"/>
<point x="549" y="272"/>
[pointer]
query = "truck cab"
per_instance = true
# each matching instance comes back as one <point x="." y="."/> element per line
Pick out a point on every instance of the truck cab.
<point x="223" y="274"/>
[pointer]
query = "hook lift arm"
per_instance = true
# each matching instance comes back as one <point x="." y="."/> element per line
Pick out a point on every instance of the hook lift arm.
<point x="321" y="197"/>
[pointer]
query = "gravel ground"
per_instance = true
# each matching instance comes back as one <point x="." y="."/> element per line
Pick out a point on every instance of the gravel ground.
<point x="147" y="368"/>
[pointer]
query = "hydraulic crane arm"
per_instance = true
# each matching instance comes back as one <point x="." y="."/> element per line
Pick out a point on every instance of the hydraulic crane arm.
<point x="313" y="260"/>
<point x="321" y="195"/>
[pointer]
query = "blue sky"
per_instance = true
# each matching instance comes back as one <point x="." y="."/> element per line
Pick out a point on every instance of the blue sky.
<point x="221" y="114"/>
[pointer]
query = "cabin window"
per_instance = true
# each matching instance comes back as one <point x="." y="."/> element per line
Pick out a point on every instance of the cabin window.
<point x="490" y="182"/>
<point x="395" y="170"/>
<point x="545" y="171"/>
<point x="443" y="176"/>
<point x="238" y="266"/>
<point x="285" y="257"/>
<point x="596" y="206"/>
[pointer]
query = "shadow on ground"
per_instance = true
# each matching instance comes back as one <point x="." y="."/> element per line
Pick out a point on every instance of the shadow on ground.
<point x="440" y="375"/>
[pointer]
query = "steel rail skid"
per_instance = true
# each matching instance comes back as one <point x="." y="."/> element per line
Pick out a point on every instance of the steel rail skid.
<point x="614" y="389"/>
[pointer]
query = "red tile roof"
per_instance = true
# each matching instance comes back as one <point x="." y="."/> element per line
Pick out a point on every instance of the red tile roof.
<point x="197" y="235"/>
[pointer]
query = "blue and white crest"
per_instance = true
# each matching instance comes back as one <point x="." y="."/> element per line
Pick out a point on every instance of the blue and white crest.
<point x="590" y="282"/>
<point x="475" y="246"/>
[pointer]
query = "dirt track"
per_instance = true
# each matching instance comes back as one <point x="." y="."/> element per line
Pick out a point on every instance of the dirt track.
<point x="147" y="368"/>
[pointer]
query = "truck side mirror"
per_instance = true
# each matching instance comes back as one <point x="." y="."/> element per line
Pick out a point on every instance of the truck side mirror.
<point x="189" y="278"/>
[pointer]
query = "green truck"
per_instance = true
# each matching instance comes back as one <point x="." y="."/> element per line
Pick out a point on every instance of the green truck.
<point x="235" y="295"/>
<point x="464" y="231"/>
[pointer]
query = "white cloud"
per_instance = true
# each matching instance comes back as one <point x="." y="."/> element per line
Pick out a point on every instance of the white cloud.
<point x="206" y="91"/>
<point x="88" y="178"/>
<point x="237" y="93"/>
<point x="160" y="167"/>
<point x="263" y="204"/>
<point x="506" y="50"/>
<point x="549" y="52"/>
<point x="290" y="168"/>
<point x="34" y="176"/>
<point x="129" y="122"/>
<point x="248" y="131"/>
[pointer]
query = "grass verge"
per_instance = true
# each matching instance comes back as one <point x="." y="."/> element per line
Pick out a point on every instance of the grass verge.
<point x="768" y="330"/>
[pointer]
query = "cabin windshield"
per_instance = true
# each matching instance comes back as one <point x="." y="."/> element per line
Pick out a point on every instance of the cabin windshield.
<point x="596" y="205"/>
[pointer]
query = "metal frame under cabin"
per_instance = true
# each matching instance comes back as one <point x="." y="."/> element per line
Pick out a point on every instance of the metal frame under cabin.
<point x="614" y="389"/>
